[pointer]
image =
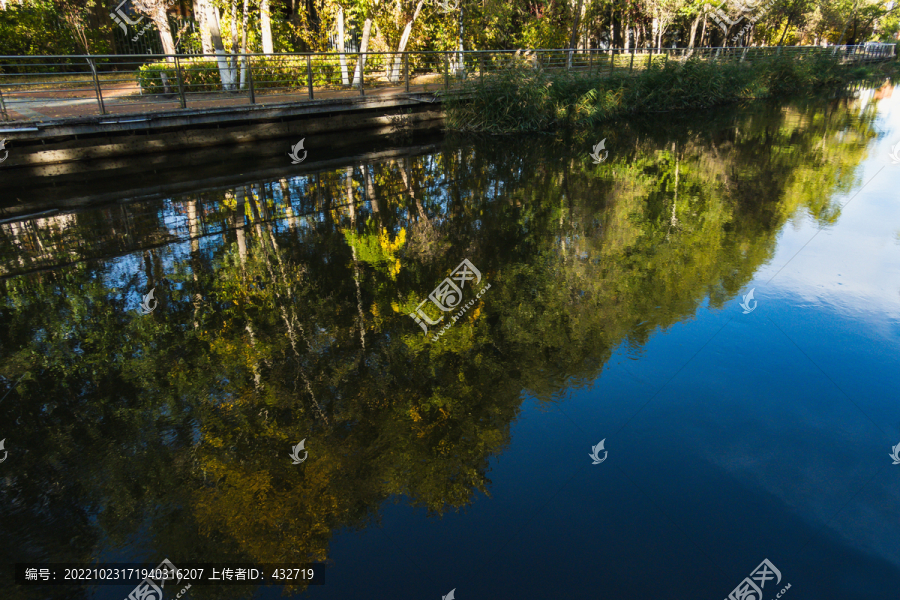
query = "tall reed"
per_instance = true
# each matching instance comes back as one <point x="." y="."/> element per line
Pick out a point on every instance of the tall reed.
<point x="521" y="96"/>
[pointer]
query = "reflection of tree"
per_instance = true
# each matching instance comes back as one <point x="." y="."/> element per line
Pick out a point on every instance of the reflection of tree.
<point x="285" y="318"/>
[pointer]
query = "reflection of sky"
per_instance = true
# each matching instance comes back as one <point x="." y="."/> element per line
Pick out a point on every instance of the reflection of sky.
<point x="768" y="434"/>
<point x="853" y="267"/>
<point x="843" y="287"/>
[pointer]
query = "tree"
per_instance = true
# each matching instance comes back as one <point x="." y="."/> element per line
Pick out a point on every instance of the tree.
<point x="157" y="10"/>
<point x="265" y="25"/>
<point x="226" y="73"/>
<point x="404" y="38"/>
<point x="75" y="15"/>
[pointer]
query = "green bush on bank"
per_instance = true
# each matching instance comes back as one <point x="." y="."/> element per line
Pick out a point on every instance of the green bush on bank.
<point x="522" y="98"/>
<point x="202" y="74"/>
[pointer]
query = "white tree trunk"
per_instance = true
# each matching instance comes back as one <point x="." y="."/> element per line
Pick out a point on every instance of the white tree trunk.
<point x="265" y="24"/>
<point x="215" y="38"/>
<point x="364" y="45"/>
<point x="200" y="12"/>
<point x="235" y="39"/>
<point x="244" y="46"/>
<point x="395" y="71"/>
<point x="341" y="57"/>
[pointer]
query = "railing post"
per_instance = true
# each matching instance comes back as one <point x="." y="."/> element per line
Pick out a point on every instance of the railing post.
<point x="3" y="107"/>
<point x="406" y="68"/>
<point x="666" y="61"/>
<point x="97" y="86"/>
<point x="309" y="78"/>
<point x="480" y="67"/>
<point x="362" y="75"/>
<point x="612" y="61"/>
<point x="590" y="62"/>
<point x="446" y="72"/>
<point x="650" y="60"/>
<point x="250" y="78"/>
<point x="180" y="82"/>
<point x="631" y="64"/>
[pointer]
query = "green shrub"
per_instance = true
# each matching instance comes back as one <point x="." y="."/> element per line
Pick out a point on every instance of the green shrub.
<point x="519" y="98"/>
<point x="202" y="74"/>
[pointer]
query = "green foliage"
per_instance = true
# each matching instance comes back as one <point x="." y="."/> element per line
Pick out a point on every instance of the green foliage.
<point x="24" y="30"/>
<point x="514" y="99"/>
<point x="522" y="98"/>
<point x="202" y="74"/>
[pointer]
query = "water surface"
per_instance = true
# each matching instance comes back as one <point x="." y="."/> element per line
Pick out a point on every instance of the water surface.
<point x="460" y="460"/>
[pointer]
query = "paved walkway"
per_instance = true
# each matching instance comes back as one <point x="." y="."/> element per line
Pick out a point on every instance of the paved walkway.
<point x="126" y="99"/>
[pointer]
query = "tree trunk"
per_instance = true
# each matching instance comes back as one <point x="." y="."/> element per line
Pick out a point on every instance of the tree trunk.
<point x="574" y="37"/>
<point x="215" y="37"/>
<point x="612" y="27"/>
<point x="783" y="33"/>
<point x="200" y="13"/>
<point x="235" y="38"/>
<point x="694" y="26"/>
<point x="265" y="24"/>
<point x="244" y="46"/>
<point x="161" y="19"/>
<point x="401" y="47"/>
<point x="341" y="57"/>
<point x="460" y="63"/>
<point x="364" y="45"/>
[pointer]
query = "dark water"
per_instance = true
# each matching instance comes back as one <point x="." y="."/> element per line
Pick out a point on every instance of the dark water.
<point x="460" y="461"/>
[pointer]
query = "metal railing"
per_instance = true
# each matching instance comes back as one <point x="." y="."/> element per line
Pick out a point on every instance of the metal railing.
<point x="47" y="88"/>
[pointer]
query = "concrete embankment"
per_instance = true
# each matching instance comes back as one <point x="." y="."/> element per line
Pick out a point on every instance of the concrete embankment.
<point x="35" y="144"/>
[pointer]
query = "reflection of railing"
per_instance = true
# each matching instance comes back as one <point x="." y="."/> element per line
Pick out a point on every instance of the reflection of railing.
<point x="196" y="209"/>
<point x="47" y="87"/>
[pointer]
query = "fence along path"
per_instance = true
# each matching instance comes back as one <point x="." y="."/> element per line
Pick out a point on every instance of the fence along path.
<point x="52" y="88"/>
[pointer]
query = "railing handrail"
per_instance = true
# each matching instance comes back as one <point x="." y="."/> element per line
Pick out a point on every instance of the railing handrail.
<point x="394" y="53"/>
<point x="210" y="77"/>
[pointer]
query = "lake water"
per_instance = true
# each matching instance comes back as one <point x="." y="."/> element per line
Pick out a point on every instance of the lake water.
<point x="585" y="303"/>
